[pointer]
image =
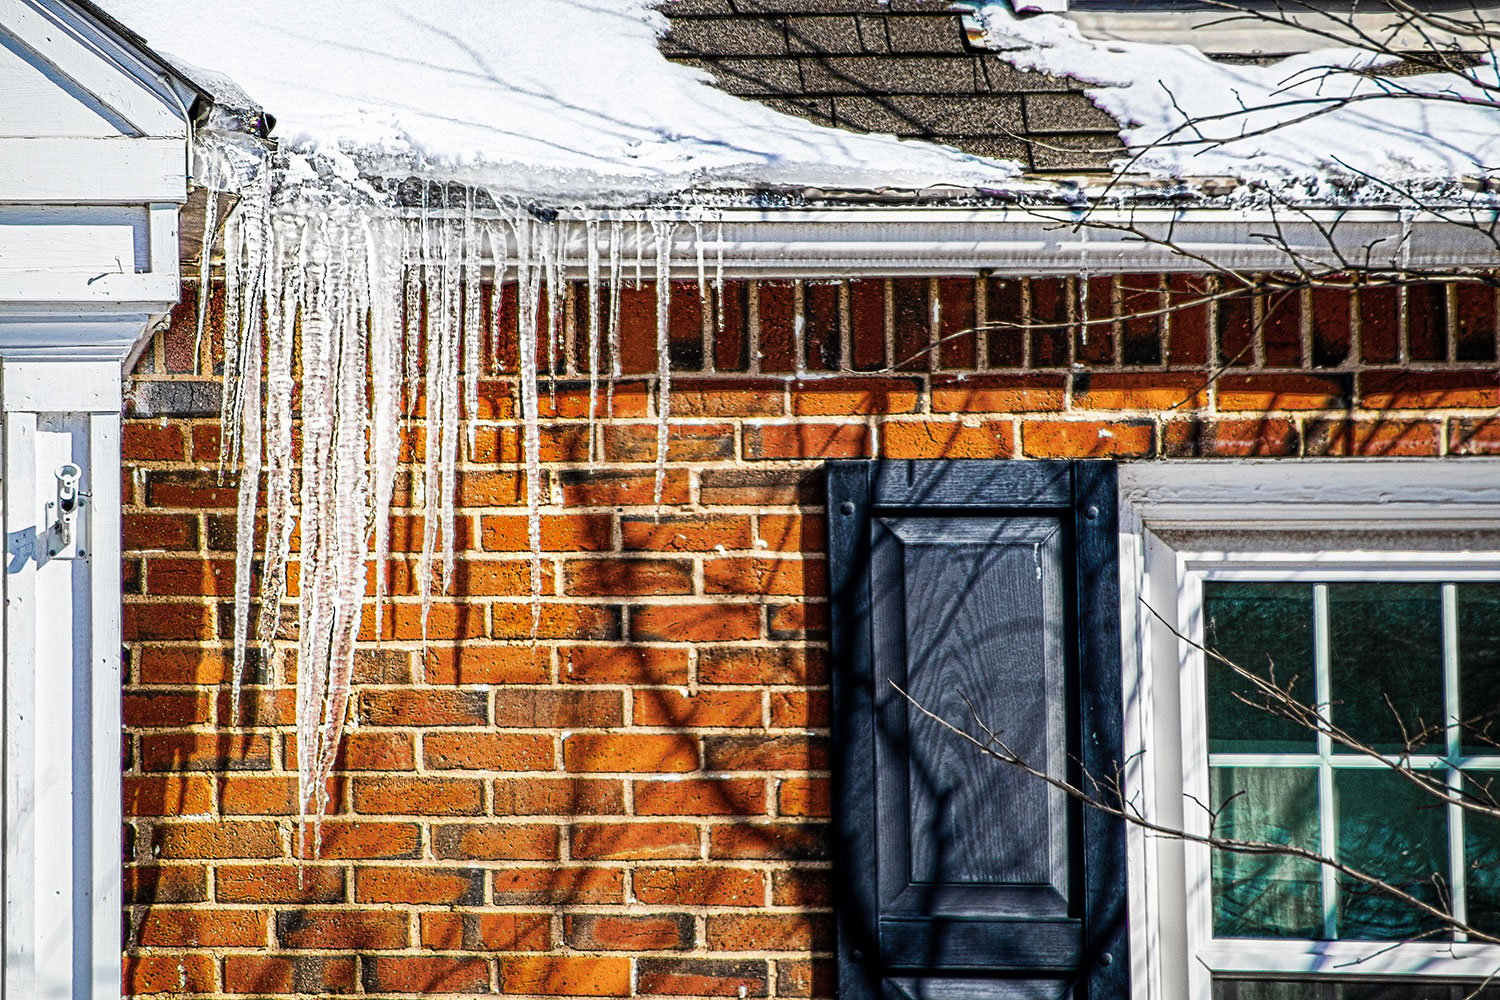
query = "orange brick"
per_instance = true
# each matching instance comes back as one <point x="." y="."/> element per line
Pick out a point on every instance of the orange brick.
<point x="566" y="976"/>
<point x="301" y="974"/>
<point x="762" y="665"/>
<point x="390" y="974"/>
<point x="151" y="442"/>
<point x="695" y="623"/>
<point x="804" y="978"/>
<point x="487" y="931"/>
<point x="1139" y="391"/>
<point x="1398" y="390"/>
<point x="1282" y="392"/>
<point x="624" y="665"/>
<point x="701" y="977"/>
<point x="699" y="885"/>
<point x="802" y="888"/>
<point x="1194" y="438"/>
<point x="146" y="975"/>
<point x="997" y="393"/>
<point x="555" y="886"/>
<point x="152" y="884"/>
<point x="728" y="397"/>
<point x="168" y="795"/>
<point x="770" y="932"/>
<point x="343" y="927"/>
<point x="218" y="839"/>
<point x="1087" y="439"/>
<point x="800" y="710"/>
<point x="610" y="932"/>
<point x="701" y="797"/>
<point x="278" y="884"/>
<point x="793" y="532"/>
<point x="768" y="841"/>
<point x="687" y="534"/>
<point x="558" y="621"/>
<point x="947" y="439"/>
<point x="634" y="841"/>
<point x="472" y="663"/>
<point x="1474" y="436"/>
<point x="686" y="442"/>
<point x="418" y="796"/>
<point x="764" y="753"/>
<point x="785" y="441"/>
<point x="605" y="488"/>
<point x="658" y="707"/>
<point x="449" y="886"/>
<point x="370" y="839"/>
<point x="190" y="577"/>
<point x="558" y="796"/>
<point x="604" y="577"/>
<point x="160" y="532"/>
<point x="629" y="752"/>
<point x="495" y="841"/>
<point x="1389" y="437"/>
<point x="803" y="797"/>
<point x="174" y="928"/>
<point x="549" y="708"/>
<point x="560" y="533"/>
<point x="423" y="707"/>
<point x="850" y="396"/>
<point x="199" y="751"/>
<point x="166" y="620"/>
<point x="764" y="576"/>
<point x="182" y="666"/>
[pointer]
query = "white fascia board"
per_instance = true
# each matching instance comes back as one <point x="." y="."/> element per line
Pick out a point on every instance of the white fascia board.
<point x="108" y="336"/>
<point x="93" y="171"/>
<point x="111" y="71"/>
<point x="1054" y="241"/>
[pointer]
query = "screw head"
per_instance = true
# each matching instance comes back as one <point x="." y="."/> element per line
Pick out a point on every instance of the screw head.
<point x="1106" y="959"/>
<point x="846" y="508"/>
<point x="1092" y="512"/>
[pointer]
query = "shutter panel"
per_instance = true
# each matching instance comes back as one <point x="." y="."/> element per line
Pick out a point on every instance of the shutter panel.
<point x="988" y="589"/>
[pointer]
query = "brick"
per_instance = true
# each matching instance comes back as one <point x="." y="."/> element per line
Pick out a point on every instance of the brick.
<point x="472" y="663"/>
<point x="728" y="397"/>
<point x="629" y="752"/>
<point x="168" y="795"/>
<point x="676" y="709"/>
<point x="956" y="315"/>
<point x="624" y="665"/>
<point x="190" y="490"/>
<point x="805" y="441"/>
<point x="369" y="839"/>
<point x="495" y="841"/>
<point x="806" y="978"/>
<point x="181" y="666"/>
<point x="606" y="577"/>
<point x="1193" y="438"/>
<point x="560" y="533"/>
<point x="558" y="796"/>
<point x="486" y="931"/>
<point x="417" y="796"/>
<point x="803" y="620"/>
<point x="368" y="750"/>
<point x="634" y="841"/>
<point x="566" y="976"/>
<point x="1379" y="311"/>
<point x="264" y="795"/>
<point x="558" y="621"/>
<point x="278" y="884"/>
<point x="699" y="885"/>
<point x="701" y="977"/>
<point x="147" y="975"/>
<point x="555" y="886"/>
<point x="1139" y="391"/>
<point x="1474" y="436"/>
<point x="687" y="534"/>
<point x="200" y="751"/>
<point x="947" y="439"/>
<point x="302" y="974"/>
<point x="447" y="623"/>
<point x="148" y="885"/>
<point x="390" y="974"/>
<point x="190" y="577"/>
<point x="423" y="707"/>
<point x="172" y="928"/>
<point x="768" y="842"/>
<point x="219" y="839"/>
<point x="695" y="623"/>
<point x="1283" y="392"/>
<point x="762" y="665"/>
<point x="160" y="532"/>
<point x="792" y="533"/>
<point x="166" y="620"/>
<point x="646" y="932"/>
<point x="490" y="489"/>
<point x="800" y="710"/>
<point x="802" y="888"/>
<point x="151" y="442"/>
<point x="604" y="488"/>
<point x="764" y="753"/>
<point x="804" y="797"/>
<point x="1331" y="333"/>
<point x="769" y="932"/>
<point x="686" y="442"/>
<point x="758" y="487"/>
<point x="1371" y="437"/>
<point x="1087" y="439"/>
<point x="549" y="708"/>
<point x="701" y="797"/>
<point x="343" y="927"/>
<point x="448" y="886"/>
<point x="843" y="397"/>
<point x="1417" y="390"/>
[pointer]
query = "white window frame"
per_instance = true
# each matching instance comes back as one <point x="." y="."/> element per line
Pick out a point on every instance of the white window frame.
<point x="1185" y="522"/>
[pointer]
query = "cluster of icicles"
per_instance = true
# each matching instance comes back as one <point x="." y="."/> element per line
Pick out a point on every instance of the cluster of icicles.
<point x="368" y="310"/>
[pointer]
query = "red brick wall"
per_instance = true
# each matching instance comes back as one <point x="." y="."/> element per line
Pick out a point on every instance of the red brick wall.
<point x="637" y="803"/>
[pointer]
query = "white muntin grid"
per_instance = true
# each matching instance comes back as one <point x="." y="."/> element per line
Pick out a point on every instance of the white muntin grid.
<point x="1447" y="956"/>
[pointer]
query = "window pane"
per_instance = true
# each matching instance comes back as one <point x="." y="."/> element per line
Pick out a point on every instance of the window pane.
<point x="1391" y="829"/>
<point x="1258" y="895"/>
<point x="1479" y="666"/>
<point x="1386" y="661"/>
<point x="1482" y="854"/>
<point x="1266" y="628"/>
<point x="1248" y="989"/>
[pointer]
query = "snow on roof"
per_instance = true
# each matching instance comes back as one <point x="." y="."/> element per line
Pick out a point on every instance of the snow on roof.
<point x="550" y="98"/>
<point x="1316" y="123"/>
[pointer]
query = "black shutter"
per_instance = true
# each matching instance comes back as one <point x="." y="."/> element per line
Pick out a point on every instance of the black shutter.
<point x="991" y="584"/>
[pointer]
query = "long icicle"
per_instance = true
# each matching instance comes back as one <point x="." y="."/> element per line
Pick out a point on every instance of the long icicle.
<point x="616" y="251"/>
<point x="663" y="232"/>
<point x="386" y="302"/>
<point x="591" y="238"/>
<point x="527" y="373"/>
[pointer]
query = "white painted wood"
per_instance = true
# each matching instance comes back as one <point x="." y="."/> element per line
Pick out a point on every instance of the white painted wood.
<point x="112" y="171"/>
<point x="88" y="240"/>
<point x="62" y="386"/>
<point x="1232" y="517"/>
<point x="118" y="77"/>
<point x="105" y="901"/>
<point x="41" y="101"/>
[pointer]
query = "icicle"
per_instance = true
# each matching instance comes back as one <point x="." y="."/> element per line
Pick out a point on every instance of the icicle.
<point x="616" y="250"/>
<point x="547" y="261"/>
<point x="497" y="298"/>
<point x="282" y="315"/>
<point x="205" y="270"/>
<point x="663" y="233"/>
<point x="384" y="275"/>
<point x="719" y="274"/>
<point x="229" y="402"/>
<point x="412" y="314"/>
<point x="528" y="286"/>
<point x="452" y="328"/>
<point x="473" y="324"/>
<point x="436" y="333"/>
<point x="640" y="252"/>
<point x="1084" y="275"/>
<point x="591" y="239"/>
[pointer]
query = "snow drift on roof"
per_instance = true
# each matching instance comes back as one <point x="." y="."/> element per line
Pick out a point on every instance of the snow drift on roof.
<point x="561" y="98"/>
<point x="1304" y="121"/>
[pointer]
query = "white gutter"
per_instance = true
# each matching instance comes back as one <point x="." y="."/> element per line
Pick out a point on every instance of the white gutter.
<point x="836" y="242"/>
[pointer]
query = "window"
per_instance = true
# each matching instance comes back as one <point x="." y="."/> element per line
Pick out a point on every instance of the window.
<point x="1370" y="590"/>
